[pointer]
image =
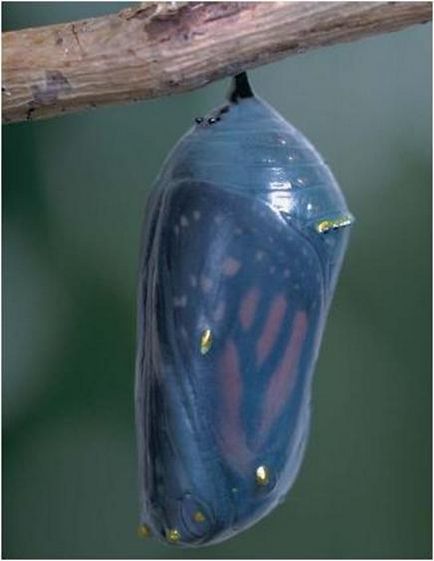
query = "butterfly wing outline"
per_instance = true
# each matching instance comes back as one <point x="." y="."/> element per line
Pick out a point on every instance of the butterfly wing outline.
<point x="215" y="416"/>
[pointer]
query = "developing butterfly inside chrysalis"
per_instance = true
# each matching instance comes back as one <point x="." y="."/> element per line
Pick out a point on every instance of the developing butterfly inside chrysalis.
<point x="243" y="240"/>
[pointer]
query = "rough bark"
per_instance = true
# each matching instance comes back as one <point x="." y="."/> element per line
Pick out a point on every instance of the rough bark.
<point x="158" y="49"/>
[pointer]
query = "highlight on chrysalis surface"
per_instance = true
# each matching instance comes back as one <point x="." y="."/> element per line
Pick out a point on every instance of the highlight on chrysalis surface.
<point x="243" y="240"/>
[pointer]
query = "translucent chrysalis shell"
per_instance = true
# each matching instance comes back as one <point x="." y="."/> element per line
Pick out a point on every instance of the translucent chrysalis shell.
<point x="243" y="240"/>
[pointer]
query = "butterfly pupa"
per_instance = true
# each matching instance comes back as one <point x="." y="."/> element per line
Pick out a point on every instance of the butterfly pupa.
<point x="243" y="239"/>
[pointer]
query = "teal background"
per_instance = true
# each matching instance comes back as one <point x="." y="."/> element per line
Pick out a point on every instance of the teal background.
<point x="74" y="188"/>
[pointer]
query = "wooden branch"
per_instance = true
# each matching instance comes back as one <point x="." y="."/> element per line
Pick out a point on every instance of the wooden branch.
<point x="158" y="49"/>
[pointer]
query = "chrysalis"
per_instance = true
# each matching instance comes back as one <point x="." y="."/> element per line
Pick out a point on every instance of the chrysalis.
<point x="243" y="241"/>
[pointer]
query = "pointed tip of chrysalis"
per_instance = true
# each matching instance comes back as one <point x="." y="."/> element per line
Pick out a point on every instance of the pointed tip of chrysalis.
<point x="240" y="88"/>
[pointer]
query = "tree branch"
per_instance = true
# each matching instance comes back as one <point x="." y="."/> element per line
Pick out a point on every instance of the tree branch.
<point x="164" y="48"/>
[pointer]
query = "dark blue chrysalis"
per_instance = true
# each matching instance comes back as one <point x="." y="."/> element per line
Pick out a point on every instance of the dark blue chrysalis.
<point x="243" y="241"/>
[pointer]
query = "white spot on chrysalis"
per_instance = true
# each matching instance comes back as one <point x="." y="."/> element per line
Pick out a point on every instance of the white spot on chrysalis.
<point x="196" y="215"/>
<point x="205" y="283"/>
<point x="231" y="266"/>
<point x="278" y="196"/>
<point x="193" y="281"/>
<point x="180" y="302"/>
<point x="184" y="221"/>
<point x="219" y="311"/>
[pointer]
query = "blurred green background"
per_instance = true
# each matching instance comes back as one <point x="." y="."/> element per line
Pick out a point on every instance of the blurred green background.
<point x="73" y="193"/>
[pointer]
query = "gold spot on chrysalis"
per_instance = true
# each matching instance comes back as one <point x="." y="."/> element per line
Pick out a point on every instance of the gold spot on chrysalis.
<point x="205" y="341"/>
<point x="143" y="531"/>
<point x="199" y="516"/>
<point x="262" y="475"/>
<point x="173" y="536"/>
<point x="327" y="225"/>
